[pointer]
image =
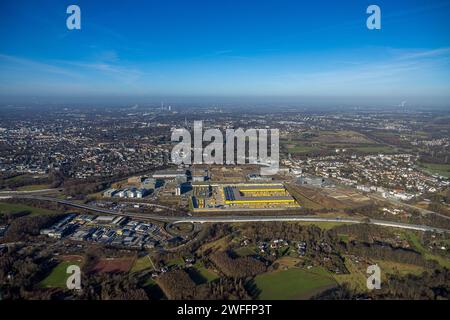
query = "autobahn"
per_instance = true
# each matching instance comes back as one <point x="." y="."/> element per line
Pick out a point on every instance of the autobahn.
<point x="295" y="218"/>
<point x="236" y="219"/>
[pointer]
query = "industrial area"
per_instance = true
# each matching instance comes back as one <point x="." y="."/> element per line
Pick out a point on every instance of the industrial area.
<point x="242" y="196"/>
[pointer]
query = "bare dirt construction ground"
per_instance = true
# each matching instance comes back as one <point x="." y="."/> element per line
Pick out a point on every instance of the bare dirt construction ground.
<point x="112" y="265"/>
<point x="337" y="198"/>
<point x="350" y="198"/>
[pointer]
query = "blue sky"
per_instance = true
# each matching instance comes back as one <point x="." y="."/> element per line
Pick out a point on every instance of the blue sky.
<point x="226" y="48"/>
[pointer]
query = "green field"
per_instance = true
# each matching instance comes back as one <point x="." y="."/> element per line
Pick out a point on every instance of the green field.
<point x="175" y="262"/>
<point x="58" y="277"/>
<point x="403" y="269"/>
<point x="302" y="149"/>
<point x="292" y="284"/>
<point x="17" y="178"/>
<point x="413" y="238"/>
<point x="200" y="274"/>
<point x="374" y="149"/>
<point x="245" y="251"/>
<point x="141" y="264"/>
<point x="33" y="187"/>
<point x="11" y="208"/>
<point x="343" y="237"/>
<point x="153" y="289"/>
<point x="323" y="225"/>
<point x="208" y="274"/>
<point x="440" y="169"/>
<point x="356" y="278"/>
<point x="219" y="244"/>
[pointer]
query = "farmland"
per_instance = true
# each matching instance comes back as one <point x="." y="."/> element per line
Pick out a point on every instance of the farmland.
<point x="112" y="265"/>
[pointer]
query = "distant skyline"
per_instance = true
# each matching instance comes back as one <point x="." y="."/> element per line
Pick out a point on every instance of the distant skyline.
<point x="294" y="51"/>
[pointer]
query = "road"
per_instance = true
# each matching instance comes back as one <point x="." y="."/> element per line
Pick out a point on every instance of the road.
<point x="39" y="191"/>
<point x="95" y="209"/>
<point x="236" y="219"/>
<point x="294" y="218"/>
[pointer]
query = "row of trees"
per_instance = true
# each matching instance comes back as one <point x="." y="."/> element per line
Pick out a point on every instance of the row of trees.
<point x="22" y="228"/>
<point x="363" y="232"/>
<point x="267" y="231"/>
<point x="116" y="286"/>
<point x="177" y="284"/>
<point x="21" y="268"/>
<point x="382" y="251"/>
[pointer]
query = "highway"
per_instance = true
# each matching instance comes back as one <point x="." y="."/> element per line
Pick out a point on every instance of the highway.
<point x="96" y="209"/>
<point x="37" y="191"/>
<point x="235" y="219"/>
<point x="294" y="218"/>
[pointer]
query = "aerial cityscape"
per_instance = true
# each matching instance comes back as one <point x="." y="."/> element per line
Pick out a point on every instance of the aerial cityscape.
<point x="101" y="200"/>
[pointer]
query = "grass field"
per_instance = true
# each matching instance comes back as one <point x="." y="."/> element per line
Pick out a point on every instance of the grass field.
<point x="414" y="240"/>
<point x="33" y="187"/>
<point x="175" y="262"/>
<point x="343" y="237"/>
<point x="389" y="267"/>
<point x="342" y="138"/>
<point x="208" y="274"/>
<point x="292" y="284"/>
<point x="322" y="225"/>
<point x="141" y="264"/>
<point x="357" y="277"/>
<point x="58" y="277"/>
<point x="150" y="283"/>
<point x="329" y="141"/>
<point x="302" y="149"/>
<point x="374" y="149"/>
<point x="440" y="169"/>
<point x="245" y="251"/>
<point x="220" y="244"/>
<point x="153" y="289"/>
<point x="11" y="208"/>
<point x="200" y="274"/>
